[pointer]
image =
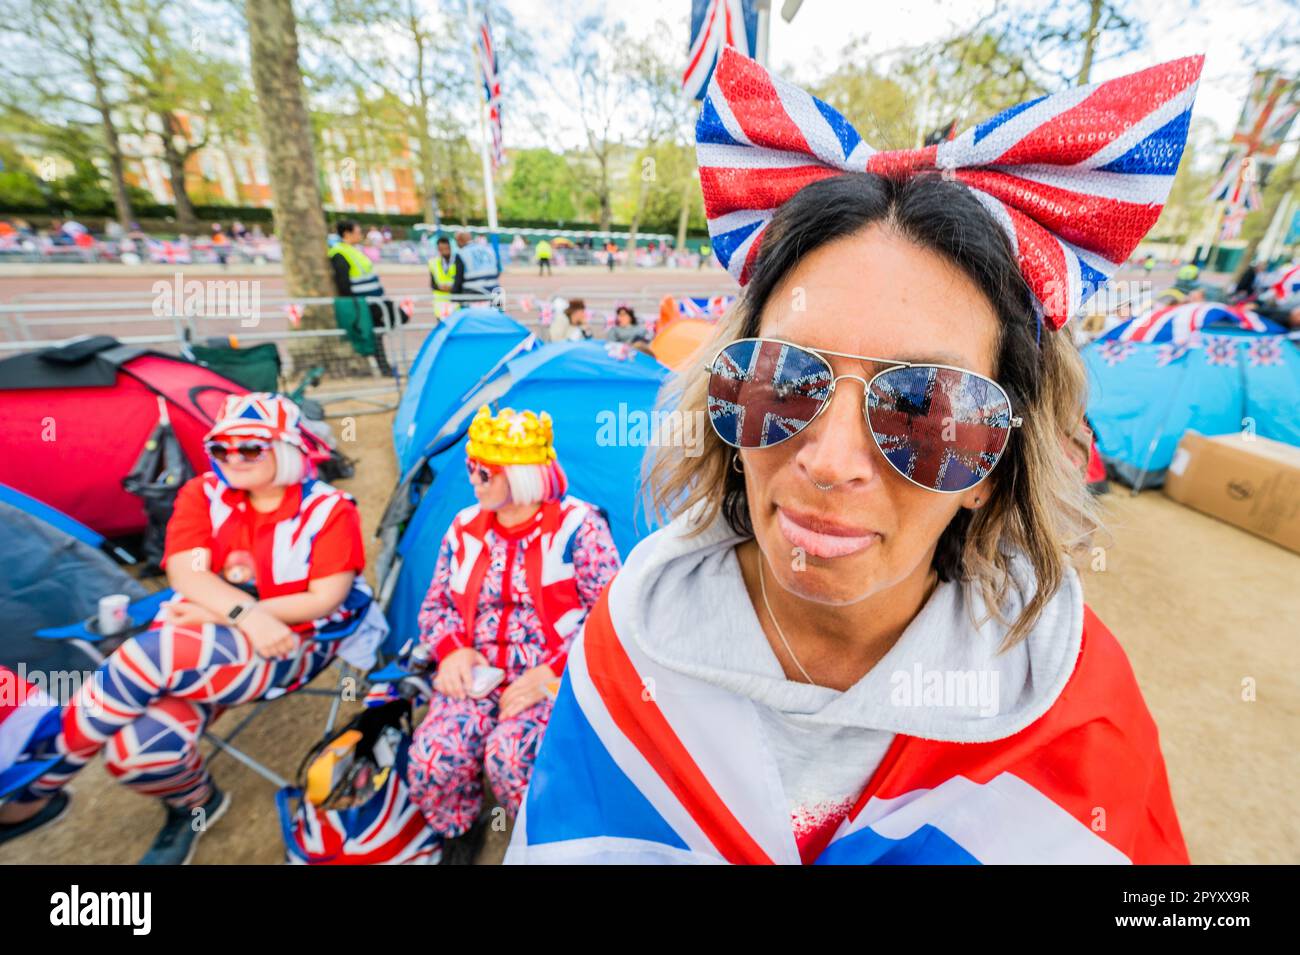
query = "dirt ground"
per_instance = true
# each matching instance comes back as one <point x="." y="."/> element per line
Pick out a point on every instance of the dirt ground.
<point x="1200" y="606"/>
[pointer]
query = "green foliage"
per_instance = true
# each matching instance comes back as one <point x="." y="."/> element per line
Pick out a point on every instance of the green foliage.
<point x="19" y="190"/>
<point x="541" y="186"/>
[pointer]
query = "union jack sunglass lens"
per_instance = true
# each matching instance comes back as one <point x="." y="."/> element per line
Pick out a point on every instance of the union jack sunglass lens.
<point x="478" y="472"/>
<point x="941" y="428"/>
<point x="763" y="392"/>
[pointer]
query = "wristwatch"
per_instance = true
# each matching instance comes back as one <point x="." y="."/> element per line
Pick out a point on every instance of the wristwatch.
<point x="239" y="610"/>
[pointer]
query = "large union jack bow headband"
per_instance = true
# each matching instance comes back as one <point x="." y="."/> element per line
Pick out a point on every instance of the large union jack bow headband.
<point x="1076" y="179"/>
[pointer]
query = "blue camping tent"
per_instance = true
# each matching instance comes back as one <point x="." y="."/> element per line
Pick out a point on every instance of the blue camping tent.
<point x="1202" y="367"/>
<point x="460" y="354"/>
<point x="601" y="406"/>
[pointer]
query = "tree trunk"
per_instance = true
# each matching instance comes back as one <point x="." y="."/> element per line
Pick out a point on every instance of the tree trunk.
<point x="287" y="139"/>
<point x="635" y="225"/>
<point x="116" y="168"/>
<point x="603" y="194"/>
<point x="1090" y="42"/>
<point x="684" y="216"/>
<point x="186" y="220"/>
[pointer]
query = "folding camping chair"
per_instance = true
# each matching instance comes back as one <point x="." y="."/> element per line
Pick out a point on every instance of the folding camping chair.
<point x="84" y="634"/>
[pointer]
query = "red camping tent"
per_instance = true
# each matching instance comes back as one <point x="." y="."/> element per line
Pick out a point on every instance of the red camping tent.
<point x="74" y="418"/>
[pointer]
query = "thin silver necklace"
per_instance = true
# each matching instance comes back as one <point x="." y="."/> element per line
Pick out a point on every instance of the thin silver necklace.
<point x="762" y="586"/>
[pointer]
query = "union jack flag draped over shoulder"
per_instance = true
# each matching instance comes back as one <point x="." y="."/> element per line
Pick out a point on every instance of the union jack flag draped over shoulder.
<point x="487" y="64"/>
<point x="715" y="25"/>
<point x="1075" y="179"/>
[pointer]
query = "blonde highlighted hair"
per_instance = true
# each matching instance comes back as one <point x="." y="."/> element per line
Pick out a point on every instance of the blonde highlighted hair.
<point x="1038" y="506"/>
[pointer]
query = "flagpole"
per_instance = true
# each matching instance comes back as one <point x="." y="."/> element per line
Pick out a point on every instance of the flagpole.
<point x="489" y="186"/>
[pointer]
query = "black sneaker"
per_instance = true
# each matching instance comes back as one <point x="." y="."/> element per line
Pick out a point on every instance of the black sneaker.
<point x="178" y="837"/>
<point x="464" y="849"/>
<point x="51" y="813"/>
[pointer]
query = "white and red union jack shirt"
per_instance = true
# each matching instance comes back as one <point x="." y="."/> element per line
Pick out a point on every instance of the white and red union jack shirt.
<point x="314" y="533"/>
<point x="559" y="562"/>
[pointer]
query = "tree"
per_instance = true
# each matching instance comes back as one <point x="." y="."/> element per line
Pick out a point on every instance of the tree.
<point x="663" y="117"/>
<point x="287" y="138"/>
<point x="541" y="187"/>
<point x="412" y="58"/>
<point x="183" y="91"/>
<point x="66" y="39"/>
<point x="601" y="89"/>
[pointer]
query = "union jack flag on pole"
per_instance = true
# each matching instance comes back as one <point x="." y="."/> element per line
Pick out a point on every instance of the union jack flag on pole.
<point x="1270" y="109"/>
<point x="487" y="63"/>
<point x="716" y="24"/>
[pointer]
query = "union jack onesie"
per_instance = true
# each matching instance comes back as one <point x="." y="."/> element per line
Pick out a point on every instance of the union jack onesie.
<point x="564" y="553"/>
<point x="149" y="703"/>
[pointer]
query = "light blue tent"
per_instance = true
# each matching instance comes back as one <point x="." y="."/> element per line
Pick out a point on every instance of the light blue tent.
<point x="463" y="352"/>
<point x="602" y="407"/>
<point x="1199" y="367"/>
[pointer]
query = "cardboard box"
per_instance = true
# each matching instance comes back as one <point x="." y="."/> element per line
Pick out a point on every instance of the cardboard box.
<point x="1248" y="481"/>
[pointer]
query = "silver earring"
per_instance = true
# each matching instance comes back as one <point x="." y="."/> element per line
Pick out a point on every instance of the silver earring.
<point x="735" y="463"/>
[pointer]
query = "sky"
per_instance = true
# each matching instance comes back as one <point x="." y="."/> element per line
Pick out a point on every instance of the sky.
<point x="809" y="46"/>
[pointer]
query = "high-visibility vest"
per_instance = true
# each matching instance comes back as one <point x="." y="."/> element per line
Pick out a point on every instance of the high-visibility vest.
<point x="482" y="271"/>
<point x="543" y="249"/>
<point x="361" y="271"/>
<point x="443" y="276"/>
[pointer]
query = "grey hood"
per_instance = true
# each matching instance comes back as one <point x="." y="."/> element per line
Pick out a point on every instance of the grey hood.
<point x="683" y="601"/>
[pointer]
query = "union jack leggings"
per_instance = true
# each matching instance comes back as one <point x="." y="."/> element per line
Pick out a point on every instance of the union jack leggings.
<point x="459" y="741"/>
<point x="149" y="702"/>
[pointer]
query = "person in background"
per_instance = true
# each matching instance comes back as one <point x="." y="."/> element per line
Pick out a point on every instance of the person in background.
<point x="446" y="276"/>
<point x="706" y="255"/>
<point x="479" y="268"/>
<point x="374" y="238"/>
<point x="611" y="253"/>
<point x="237" y="231"/>
<point x="543" y="251"/>
<point x="625" y="328"/>
<point x="572" y="326"/>
<point x="354" y="275"/>
<point x="1245" y="286"/>
<point x="266" y="561"/>
<point x="516" y="575"/>
<point x="220" y="244"/>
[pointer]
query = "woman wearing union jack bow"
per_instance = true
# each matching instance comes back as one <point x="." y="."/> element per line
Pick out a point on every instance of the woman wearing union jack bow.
<point x="266" y="562"/>
<point x="861" y="639"/>
<point x="516" y="575"/>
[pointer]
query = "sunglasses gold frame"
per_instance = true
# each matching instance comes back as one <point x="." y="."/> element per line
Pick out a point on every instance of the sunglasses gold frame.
<point x="892" y="365"/>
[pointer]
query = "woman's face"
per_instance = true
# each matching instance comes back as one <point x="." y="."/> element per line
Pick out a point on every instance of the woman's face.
<point x="249" y="475"/>
<point x="578" y="316"/>
<point x="623" y="317"/>
<point x="870" y="294"/>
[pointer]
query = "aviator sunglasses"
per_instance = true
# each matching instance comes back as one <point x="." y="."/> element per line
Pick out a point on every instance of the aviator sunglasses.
<point x="249" y="452"/>
<point x="942" y="428"/>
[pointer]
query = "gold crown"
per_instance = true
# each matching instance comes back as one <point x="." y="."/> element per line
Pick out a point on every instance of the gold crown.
<point x="512" y="437"/>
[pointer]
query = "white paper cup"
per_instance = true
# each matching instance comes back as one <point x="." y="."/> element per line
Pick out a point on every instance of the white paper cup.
<point x="112" y="614"/>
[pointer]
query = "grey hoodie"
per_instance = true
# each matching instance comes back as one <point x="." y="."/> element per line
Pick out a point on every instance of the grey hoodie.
<point x="943" y="680"/>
